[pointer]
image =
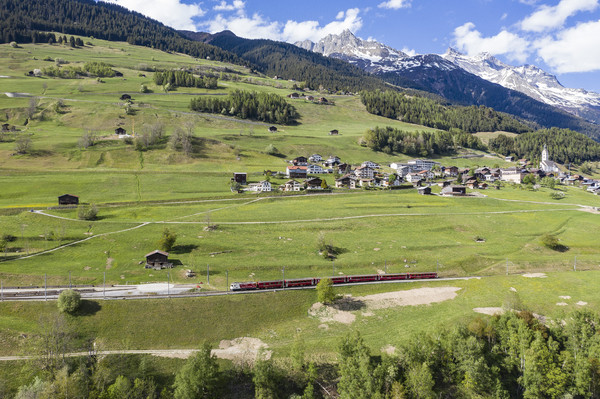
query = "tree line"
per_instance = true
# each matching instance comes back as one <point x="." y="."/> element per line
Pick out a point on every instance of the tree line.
<point x="428" y="112"/>
<point x="564" y="145"/>
<point x="184" y="79"/>
<point x="419" y="143"/>
<point x="265" y="107"/>
<point x="93" y="68"/>
<point x="513" y="355"/>
<point x="21" y="21"/>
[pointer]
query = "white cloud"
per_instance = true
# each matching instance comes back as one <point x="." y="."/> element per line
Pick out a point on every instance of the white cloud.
<point x="170" y="12"/>
<point x="236" y="5"/>
<point x="469" y="40"/>
<point x="395" y="4"/>
<point x="552" y="17"/>
<point x="257" y="27"/>
<point x="575" y="49"/>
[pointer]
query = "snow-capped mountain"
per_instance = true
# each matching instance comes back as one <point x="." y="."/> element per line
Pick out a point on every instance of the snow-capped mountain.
<point x="429" y="71"/>
<point x="532" y="81"/>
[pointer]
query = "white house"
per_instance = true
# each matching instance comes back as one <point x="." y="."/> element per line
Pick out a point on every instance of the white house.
<point x="291" y="185"/>
<point x="348" y="180"/>
<point x="370" y="164"/>
<point x="332" y="161"/>
<point x="315" y="158"/>
<point x="314" y="169"/>
<point x="262" y="186"/>
<point x="511" y="175"/>
<point x="422" y="164"/>
<point x="413" y="178"/>
<point x="296" y="171"/>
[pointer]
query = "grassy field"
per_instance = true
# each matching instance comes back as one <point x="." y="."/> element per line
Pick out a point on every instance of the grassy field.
<point x="278" y="318"/>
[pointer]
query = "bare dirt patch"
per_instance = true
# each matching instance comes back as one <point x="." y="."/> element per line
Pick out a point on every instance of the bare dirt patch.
<point x="581" y="303"/>
<point x="109" y="263"/>
<point x="344" y="309"/>
<point x="535" y="275"/>
<point x="388" y="349"/>
<point x="245" y="350"/>
<point x="489" y="311"/>
<point x="589" y="209"/>
<point x="564" y="297"/>
<point x="562" y="304"/>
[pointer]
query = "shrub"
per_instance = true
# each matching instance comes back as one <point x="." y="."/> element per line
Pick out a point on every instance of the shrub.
<point x="87" y="212"/>
<point x="271" y="150"/>
<point x="167" y="240"/>
<point x="325" y="292"/>
<point x="552" y="242"/>
<point x="69" y="301"/>
<point x="14" y="45"/>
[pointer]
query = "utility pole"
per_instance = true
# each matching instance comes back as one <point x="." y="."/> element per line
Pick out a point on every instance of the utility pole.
<point x="283" y="282"/>
<point x="104" y="286"/>
<point x="385" y="264"/>
<point x="207" y="274"/>
<point x="437" y="266"/>
<point x="507" y="267"/>
<point x="69" y="279"/>
<point x="1" y="290"/>
<point x="333" y="263"/>
<point x="575" y="265"/>
<point x="227" y="279"/>
<point x="169" y="283"/>
<point x="45" y="287"/>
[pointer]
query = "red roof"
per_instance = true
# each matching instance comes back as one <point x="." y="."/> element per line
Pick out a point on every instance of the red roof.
<point x="297" y="167"/>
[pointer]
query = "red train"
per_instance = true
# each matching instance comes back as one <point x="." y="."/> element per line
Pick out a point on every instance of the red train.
<point x="311" y="282"/>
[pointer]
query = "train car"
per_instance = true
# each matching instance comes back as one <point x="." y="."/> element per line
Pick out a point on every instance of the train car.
<point x="339" y="280"/>
<point x="300" y="282"/>
<point x="393" y="277"/>
<point x="243" y="286"/>
<point x="363" y="278"/>
<point x="422" y="275"/>
<point x="267" y="285"/>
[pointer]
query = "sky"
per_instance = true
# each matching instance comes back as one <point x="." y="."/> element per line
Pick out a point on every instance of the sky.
<point x="560" y="36"/>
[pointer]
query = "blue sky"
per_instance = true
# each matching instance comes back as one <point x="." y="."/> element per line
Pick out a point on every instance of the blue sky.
<point x="560" y="36"/>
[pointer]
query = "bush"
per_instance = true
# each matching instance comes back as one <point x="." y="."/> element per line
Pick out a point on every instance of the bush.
<point x="167" y="240"/>
<point x="271" y="150"/>
<point x="325" y="292"/>
<point x="551" y="241"/>
<point x="87" y="212"/>
<point x="69" y="301"/>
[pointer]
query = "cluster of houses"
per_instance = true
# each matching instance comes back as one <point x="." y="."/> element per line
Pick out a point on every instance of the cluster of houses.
<point x="307" y="97"/>
<point x="303" y="173"/>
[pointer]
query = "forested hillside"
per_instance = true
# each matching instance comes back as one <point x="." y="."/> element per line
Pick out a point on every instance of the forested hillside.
<point x="21" y="21"/>
<point x="291" y="62"/>
<point x="427" y="112"/>
<point x="565" y="146"/>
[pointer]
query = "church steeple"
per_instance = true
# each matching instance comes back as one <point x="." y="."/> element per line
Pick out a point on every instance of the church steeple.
<point x="545" y="153"/>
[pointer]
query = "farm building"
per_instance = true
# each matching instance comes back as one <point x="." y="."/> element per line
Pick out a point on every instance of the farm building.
<point x="125" y="97"/>
<point x="314" y="184"/>
<point x="158" y="260"/>
<point x="334" y="132"/>
<point x="272" y="129"/>
<point x="68" y="199"/>
<point x="424" y="190"/>
<point x="454" y="190"/>
<point x="119" y="131"/>
<point x="240" y="177"/>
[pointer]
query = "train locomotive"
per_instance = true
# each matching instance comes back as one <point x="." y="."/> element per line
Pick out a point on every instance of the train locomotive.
<point x="311" y="282"/>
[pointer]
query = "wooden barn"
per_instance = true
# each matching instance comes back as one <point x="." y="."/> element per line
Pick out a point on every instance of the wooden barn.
<point x="125" y="97"/>
<point x="68" y="199"/>
<point x="240" y="177"/>
<point x="120" y="131"/>
<point x="158" y="260"/>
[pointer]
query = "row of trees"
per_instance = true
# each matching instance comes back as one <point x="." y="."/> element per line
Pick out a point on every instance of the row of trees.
<point x="96" y="69"/>
<point x="184" y="79"/>
<point x="265" y="107"/>
<point x="428" y="112"/>
<point x="419" y="143"/>
<point x="564" y="145"/>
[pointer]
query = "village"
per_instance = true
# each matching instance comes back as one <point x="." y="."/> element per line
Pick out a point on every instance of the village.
<point x="304" y="175"/>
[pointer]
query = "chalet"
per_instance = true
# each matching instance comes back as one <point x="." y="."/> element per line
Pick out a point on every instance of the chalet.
<point x="523" y="161"/>
<point x="426" y="174"/>
<point x="509" y="158"/>
<point x="294" y="95"/>
<point x="240" y="177"/>
<point x="366" y="182"/>
<point x="370" y="164"/>
<point x="344" y="168"/>
<point x="120" y="131"/>
<point x="332" y="161"/>
<point x="414" y="178"/>
<point x="364" y="172"/>
<point x="403" y="170"/>
<point x="313" y="184"/>
<point x="262" y="186"/>
<point x="291" y="185"/>
<point x="472" y="183"/>
<point x="158" y="260"/>
<point x="68" y="199"/>
<point x="125" y="97"/>
<point x="334" y="132"/>
<point x="444" y="183"/>
<point x="5" y="127"/>
<point x="392" y="181"/>
<point x="315" y="169"/>
<point x="347" y="180"/>
<point x="424" y="190"/>
<point x="322" y="100"/>
<point x="310" y="98"/>
<point x="451" y="171"/>
<point x="454" y="190"/>
<point x="483" y="186"/>
<point x="296" y="172"/>
<point x="315" y="158"/>
<point x="272" y="129"/>
<point x="300" y="161"/>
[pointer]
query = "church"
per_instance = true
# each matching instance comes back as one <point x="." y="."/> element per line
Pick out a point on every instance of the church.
<point x="547" y="165"/>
